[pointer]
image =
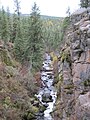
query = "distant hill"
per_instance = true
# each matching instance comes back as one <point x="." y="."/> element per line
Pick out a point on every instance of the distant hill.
<point x="45" y="16"/>
<point x="50" y="17"/>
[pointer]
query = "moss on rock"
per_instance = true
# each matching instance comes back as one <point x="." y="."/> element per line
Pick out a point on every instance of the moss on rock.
<point x="65" y="56"/>
<point x="87" y="82"/>
<point x="70" y="86"/>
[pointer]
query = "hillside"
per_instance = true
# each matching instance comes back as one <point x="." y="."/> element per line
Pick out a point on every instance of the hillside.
<point x="17" y="88"/>
<point x="44" y="16"/>
<point x="50" y="17"/>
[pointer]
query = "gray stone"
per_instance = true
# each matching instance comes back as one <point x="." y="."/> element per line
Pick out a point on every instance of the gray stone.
<point x="75" y="87"/>
<point x="88" y="42"/>
<point x="79" y="11"/>
<point x="47" y="98"/>
<point x="88" y="33"/>
<point x="76" y="44"/>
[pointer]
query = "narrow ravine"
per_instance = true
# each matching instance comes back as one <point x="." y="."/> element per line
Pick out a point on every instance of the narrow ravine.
<point x="47" y="94"/>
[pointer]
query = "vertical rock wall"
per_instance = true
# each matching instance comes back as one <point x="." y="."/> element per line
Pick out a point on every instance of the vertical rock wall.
<point x="74" y="70"/>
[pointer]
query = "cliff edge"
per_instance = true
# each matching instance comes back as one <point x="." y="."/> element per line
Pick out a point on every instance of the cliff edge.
<point x="73" y="84"/>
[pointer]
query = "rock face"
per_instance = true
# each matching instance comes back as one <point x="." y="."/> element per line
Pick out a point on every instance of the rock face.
<point x="74" y="70"/>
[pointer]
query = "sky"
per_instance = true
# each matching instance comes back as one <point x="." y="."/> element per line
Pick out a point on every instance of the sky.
<point x="47" y="7"/>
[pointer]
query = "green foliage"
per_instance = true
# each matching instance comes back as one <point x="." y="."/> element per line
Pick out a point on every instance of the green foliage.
<point x="69" y="86"/>
<point x="17" y="5"/>
<point x="65" y="55"/>
<point x="19" y="49"/>
<point x="31" y="35"/>
<point x="19" y="44"/>
<point x="14" y="28"/>
<point x="5" y="57"/>
<point x="34" y="45"/>
<point x="65" y="24"/>
<point x="7" y="101"/>
<point x="85" y="3"/>
<point x="69" y="92"/>
<point x="16" y="20"/>
<point x="4" y="27"/>
<point x="87" y="82"/>
<point x="9" y="25"/>
<point x="51" y="33"/>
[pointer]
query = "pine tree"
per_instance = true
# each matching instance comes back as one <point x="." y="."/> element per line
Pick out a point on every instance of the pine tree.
<point x="51" y="34"/>
<point x="33" y="51"/>
<point x="9" y="24"/>
<point x="4" y="27"/>
<point x="16" y="19"/>
<point x="19" y="44"/>
<point x="14" y="28"/>
<point x="17" y="5"/>
<point x="85" y="3"/>
<point x="17" y="33"/>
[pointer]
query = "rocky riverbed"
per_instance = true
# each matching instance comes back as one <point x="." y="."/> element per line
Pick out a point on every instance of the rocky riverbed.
<point x="47" y="94"/>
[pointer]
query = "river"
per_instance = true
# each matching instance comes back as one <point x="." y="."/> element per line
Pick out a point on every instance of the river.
<point x="47" y="94"/>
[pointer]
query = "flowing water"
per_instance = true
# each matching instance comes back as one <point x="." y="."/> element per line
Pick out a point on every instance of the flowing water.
<point x="47" y="94"/>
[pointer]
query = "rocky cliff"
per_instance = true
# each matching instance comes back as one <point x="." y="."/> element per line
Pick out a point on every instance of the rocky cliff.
<point x="73" y="83"/>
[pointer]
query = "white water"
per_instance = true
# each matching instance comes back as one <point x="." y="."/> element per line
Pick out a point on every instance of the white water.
<point x="47" y="80"/>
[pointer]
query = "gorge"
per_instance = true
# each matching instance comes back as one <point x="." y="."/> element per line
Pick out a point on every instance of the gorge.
<point x="60" y="88"/>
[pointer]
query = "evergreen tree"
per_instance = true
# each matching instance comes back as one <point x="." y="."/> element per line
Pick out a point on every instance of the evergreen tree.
<point x="9" y="24"/>
<point x="17" y="33"/>
<point x="51" y="33"/>
<point x="14" y="28"/>
<point x="4" y="27"/>
<point x="17" y="5"/>
<point x="85" y="3"/>
<point x="34" y="48"/>
<point x="19" y="44"/>
<point x="16" y="19"/>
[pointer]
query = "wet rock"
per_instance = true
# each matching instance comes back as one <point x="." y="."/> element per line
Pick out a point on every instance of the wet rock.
<point x="40" y="116"/>
<point x="36" y="103"/>
<point x="32" y="100"/>
<point x="45" y="94"/>
<point x="50" y="76"/>
<point x="47" y="98"/>
<point x="46" y="105"/>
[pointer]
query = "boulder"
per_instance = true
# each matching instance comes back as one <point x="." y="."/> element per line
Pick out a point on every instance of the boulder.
<point x="46" y="97"/>
<point x="83" y="107"/>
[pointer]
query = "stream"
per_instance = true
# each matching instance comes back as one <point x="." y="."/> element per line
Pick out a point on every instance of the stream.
<point x="47" y="94"/>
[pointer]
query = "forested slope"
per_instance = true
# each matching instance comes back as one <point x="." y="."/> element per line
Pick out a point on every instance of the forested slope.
<point x="23" y="41"/>
<point x="22" y="44"/>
